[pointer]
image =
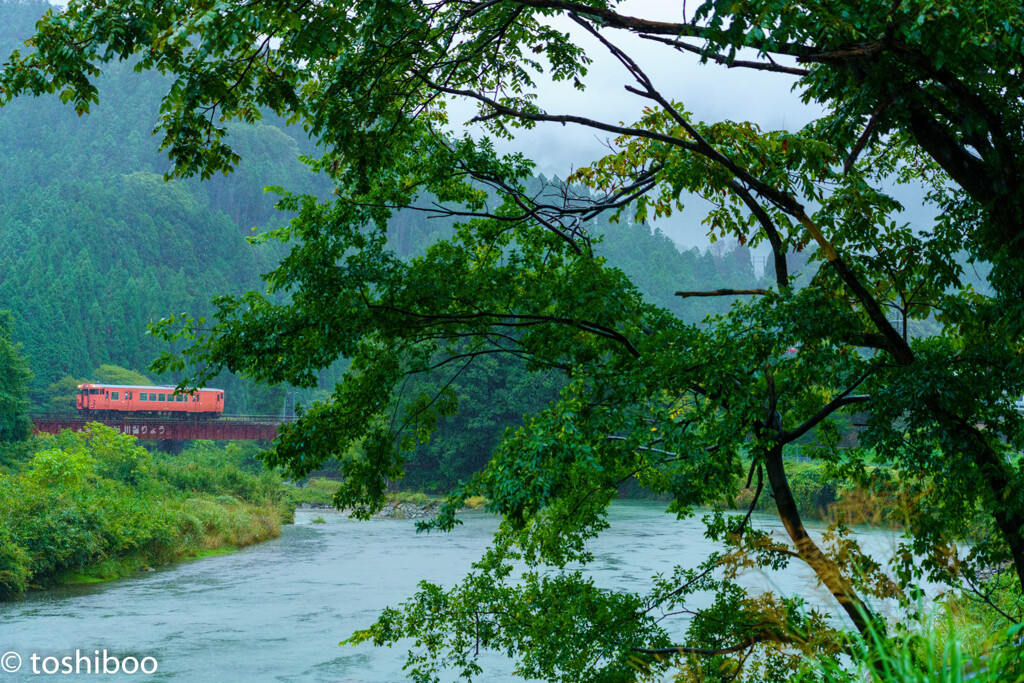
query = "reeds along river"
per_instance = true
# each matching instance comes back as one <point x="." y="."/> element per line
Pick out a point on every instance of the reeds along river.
<point x="277" y="611"/>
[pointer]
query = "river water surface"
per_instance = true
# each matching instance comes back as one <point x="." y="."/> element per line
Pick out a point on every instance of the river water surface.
<point x="276" y="611"/>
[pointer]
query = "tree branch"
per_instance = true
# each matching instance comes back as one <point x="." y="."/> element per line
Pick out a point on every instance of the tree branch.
<point x="726" y="61"/>
<point x="613" y="19"/>
<point x="764" y="637"/>
<point x="843" y="399"/>
<point x="722" y="292"/>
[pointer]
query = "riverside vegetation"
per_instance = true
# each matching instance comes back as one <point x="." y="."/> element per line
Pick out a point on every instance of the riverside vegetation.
<point x="95" y="505"/>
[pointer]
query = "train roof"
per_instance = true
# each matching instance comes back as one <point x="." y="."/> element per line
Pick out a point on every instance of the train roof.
<point x="144" y="387"/>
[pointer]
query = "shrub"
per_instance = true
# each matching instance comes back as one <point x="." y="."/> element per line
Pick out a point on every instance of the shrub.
<point x="118" y="456"/>
<point x="97" y="502"/>
<point x="14" y="567"/>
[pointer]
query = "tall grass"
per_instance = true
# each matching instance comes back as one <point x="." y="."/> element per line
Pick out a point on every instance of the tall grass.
<point x="945" y="649"/>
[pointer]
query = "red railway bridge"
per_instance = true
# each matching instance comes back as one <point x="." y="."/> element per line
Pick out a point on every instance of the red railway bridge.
<point x="228" y="427"/>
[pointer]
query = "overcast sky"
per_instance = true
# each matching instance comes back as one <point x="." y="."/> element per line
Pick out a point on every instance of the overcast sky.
<point x="711" y="92"/>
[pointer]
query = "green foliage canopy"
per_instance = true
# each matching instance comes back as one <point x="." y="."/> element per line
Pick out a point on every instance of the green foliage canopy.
<point x="113" y="374"/>
<point x="924" y="91"/>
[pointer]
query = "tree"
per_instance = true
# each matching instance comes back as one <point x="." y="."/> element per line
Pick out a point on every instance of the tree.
<point x="60" y="396"/>
<point x="922" y="90"/>
<point x="113" y="374"/>
<point x="14" y="378"/>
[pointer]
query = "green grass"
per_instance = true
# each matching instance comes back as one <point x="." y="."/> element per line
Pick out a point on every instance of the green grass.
<point x="323" y="490"/>
<point x="476" y="502"/>
<point x="212" y="552"/>
<point x="962" y="639"/>
<point x="414" y="498"/>
<point x="75" y="578"/>
<point x="314" y="491"/>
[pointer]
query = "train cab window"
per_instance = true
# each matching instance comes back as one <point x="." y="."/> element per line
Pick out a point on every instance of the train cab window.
<point x="94" y="391"/>
<point x="114" y="395"/>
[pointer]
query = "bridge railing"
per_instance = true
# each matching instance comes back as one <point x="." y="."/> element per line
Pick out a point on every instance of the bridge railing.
<point x="228" y="427"/>
<point x="186" y="417"/>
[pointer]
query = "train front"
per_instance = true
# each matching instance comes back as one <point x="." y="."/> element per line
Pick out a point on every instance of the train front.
<point x="85" y="393"/>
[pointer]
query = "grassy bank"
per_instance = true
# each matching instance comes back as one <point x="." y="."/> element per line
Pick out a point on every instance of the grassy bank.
<point x="964" y="637"/>
<point x="822" y="496"/>
<point x="321" y="491"/>
<point x="819" y="495"/>
<point x="96" y="506"/>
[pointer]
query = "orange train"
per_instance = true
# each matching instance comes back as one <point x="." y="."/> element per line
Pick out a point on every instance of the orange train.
<point x="120" y="399"/>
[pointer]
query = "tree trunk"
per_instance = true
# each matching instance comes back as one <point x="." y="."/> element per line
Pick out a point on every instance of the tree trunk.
<point x="1010" y="522"/>
<point x="827" y="570"/>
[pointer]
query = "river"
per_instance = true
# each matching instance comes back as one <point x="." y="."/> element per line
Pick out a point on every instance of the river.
<point x="276" y="611"/>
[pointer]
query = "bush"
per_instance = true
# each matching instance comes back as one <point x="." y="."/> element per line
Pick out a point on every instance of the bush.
<point x="14" y="567"/>
<point x="97" y="501"/>
<point x="118" y="456"/>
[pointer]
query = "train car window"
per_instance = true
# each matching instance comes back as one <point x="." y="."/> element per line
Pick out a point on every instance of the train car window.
<point x="113" y="396"/>
<point x="163" y="397"/>
<point x="144" y="396"/>
<point x="179" y="398"/>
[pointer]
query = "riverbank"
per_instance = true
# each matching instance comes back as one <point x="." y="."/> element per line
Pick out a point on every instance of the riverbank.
<point x="818" y="497"/>
<point x="318" y="494"/>
<point x="821" y="496"/>
<point x="95" y="506"/>
<point x="391" y="510"/>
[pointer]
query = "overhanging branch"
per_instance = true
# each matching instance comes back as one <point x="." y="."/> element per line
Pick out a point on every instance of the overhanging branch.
<point x="722" y="292"/>
<point x="765" y="637"/>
